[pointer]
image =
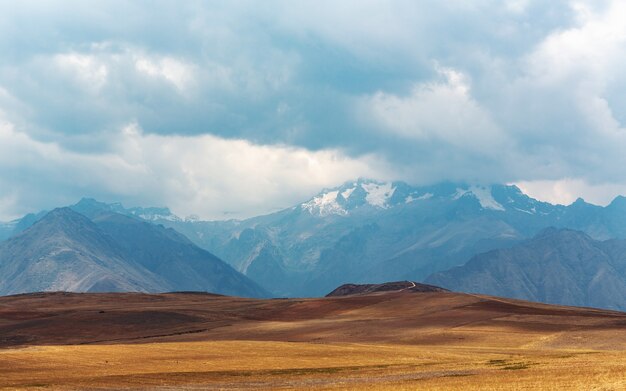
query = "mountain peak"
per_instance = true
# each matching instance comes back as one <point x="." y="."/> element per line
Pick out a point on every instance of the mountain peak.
<point x="66" y="251"/>
<point x="89" y="201"/>
<point x="353" y="194"/>
<point x="62" y="221"/>
<point x="64" y="213"/>
<point x="91" y="207"/>
<point x="618" y="202"/>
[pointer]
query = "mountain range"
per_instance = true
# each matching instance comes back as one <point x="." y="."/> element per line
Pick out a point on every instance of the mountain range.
<point x="367" y="232"/>
<point x="363" y="231"/>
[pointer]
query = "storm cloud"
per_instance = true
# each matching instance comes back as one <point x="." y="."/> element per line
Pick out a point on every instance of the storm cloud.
<point x="230" y="109"/>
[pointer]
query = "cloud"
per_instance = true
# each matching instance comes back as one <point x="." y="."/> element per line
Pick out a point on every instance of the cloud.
<point x="85" y="69"/>
<point x="174" y="71"/>
<point x="565" y="191"/>
<point x="441" y="111"/>
<point x="203" y="175"/>
<point x="488" y="91"/>
<point x="208" y="175"/>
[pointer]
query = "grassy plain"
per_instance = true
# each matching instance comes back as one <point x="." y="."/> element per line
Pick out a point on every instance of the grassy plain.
<point x="285" y="365"/>
<point x="391" y="341"/>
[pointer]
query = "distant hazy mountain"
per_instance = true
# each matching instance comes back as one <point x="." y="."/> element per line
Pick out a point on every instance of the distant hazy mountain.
<point x="88" y="207"/>
<point x="67" y="251"/>
<point x="170" y="255"/>
<point x="366" y="232"/>
<point x="14" y="227"/>
<point x="6" y="230"/>
<point x="557" y="266"/>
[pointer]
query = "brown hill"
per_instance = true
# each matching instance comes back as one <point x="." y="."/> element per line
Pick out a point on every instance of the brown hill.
<point x="360" y="289"/>
<point x="385" y="340"/>
<point x="401" y="316"/>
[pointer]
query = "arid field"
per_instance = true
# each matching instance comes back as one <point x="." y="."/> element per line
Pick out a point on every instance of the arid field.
<point x="393" y="340"/>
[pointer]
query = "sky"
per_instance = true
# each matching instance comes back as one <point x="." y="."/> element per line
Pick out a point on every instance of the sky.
<point x="229" y="109"/>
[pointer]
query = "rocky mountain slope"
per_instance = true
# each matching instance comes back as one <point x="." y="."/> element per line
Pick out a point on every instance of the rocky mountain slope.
<point x="66" y="251"/>
<point x="557" y="266"/>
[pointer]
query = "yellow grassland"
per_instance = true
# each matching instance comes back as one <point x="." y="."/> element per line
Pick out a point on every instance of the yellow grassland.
<point x="388" y="341"/>
<point x="301" y="365"/>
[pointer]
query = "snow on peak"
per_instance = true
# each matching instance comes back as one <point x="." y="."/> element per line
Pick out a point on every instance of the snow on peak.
<point x="410" y="198"/>
<point x="325" y="204"/>
<point x="339" y="200"/>
<point x="149" y="214"/>
<point x="459" y="193"/>
<point x="346" y="193"/>
<point x="378" y="194"/>
<point x="485" y="198"/>
<point x="157" y="216"/>
<point x="482" y="194"/>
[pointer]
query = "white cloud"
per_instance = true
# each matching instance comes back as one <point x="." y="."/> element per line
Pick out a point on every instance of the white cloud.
<point x="87" y="69"/>
<point x="566" y="191"/>
<point x="517" y="6"/>
<point x="439" y="110"/>
<point x="177" y="72"/>
<point x="593" y="47"/>
<point x="208" y="175"/>
<point x="587" y="60"/>
<point x="203" y="175"/>
<point x="531" y="91"/>
<point x="94" y="66"/>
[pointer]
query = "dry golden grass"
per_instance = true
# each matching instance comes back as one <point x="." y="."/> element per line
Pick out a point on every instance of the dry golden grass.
<point x="285" y="365"/>
<point x="390" y="341"/>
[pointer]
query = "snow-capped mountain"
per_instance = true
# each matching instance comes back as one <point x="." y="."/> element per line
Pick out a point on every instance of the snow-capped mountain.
<point x="368" y="231"/>
<point x="383" y="195"/>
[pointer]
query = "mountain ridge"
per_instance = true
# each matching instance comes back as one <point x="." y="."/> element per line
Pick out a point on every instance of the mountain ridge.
<point x="557" y="266"/>
<point x="66" y="251"/>
<point x="370" y="231"/>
